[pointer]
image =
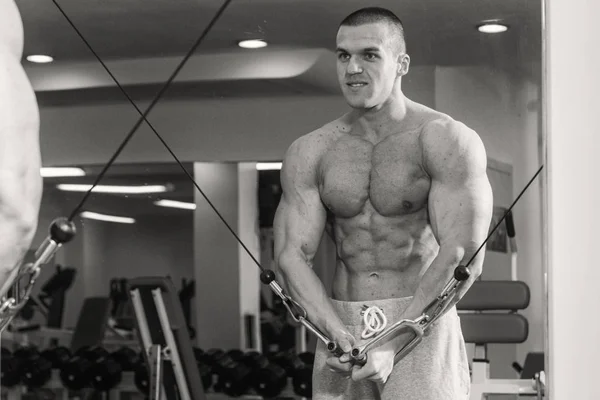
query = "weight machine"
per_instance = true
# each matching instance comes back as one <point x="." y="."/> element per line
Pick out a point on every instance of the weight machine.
<point x="165" y="341"/>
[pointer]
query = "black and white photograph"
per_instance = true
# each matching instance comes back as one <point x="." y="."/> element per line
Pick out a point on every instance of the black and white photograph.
<point x="283" y="199"/>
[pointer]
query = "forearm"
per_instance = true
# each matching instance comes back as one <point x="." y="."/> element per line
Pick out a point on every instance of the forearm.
<point x="17" y="235"/>
<point x="304" y="286"/>
<point x="19" y="210"/>
<point x="439" y="273"/>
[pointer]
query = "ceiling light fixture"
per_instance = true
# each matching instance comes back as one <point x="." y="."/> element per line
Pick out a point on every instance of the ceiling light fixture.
<point x="175" y="204"/>
<point x="268" y="166"/>
<point x="57" y="172"/>
<point x="492" y="27"/>
<point x="40" y="58"/>
<point x="145" y="189"/>
<point x="252" y="44"/>
<point x="106" y="218"/>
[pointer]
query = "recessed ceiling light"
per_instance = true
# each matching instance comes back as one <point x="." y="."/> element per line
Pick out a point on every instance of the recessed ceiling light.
<point x="144" y="189"/>
<point x="54" y="172"/>
<point x="492" y="27"/>
<point x="252" y="44"/>
<point x="176" y="204"/>
<point x="268" y="166"/>
<point x="39" y="59"/>
<point x="107" y="218"/>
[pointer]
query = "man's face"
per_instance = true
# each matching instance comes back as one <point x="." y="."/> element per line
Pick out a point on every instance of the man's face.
<point x="367" y="64"/>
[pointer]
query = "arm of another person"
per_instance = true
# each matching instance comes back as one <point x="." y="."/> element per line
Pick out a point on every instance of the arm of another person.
<point x="298" y="228"/>
<point x="20" y="159"/>
<point x="460" y="210"/>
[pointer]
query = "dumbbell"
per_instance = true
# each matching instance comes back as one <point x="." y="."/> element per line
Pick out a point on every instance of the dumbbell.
<point x="5" y="359"/>
<point x="107" y="371"/>
<point x="37" y="371"/>
<point x="28" y="367"/>
<point x="141" y="378"/>
<point x="58" y="356"/>
<point x="219" y="363"/>
<point x="216" y="360"/>
<point x="236" y="378"/>
<point x="14" y="365"/>
<point x="272" y="379"/>
<point x="297" y="366"/>
<point x="127" y="358"/>
<point x="140" y="375"/>
<point x="302" y="379"/>
<point x="206" y="373"/>
<point x="75" y="374"/>
<point x="213" y="363"/>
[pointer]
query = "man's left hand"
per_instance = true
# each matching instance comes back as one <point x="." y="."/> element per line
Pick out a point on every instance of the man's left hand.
<point x="380" y="362"/>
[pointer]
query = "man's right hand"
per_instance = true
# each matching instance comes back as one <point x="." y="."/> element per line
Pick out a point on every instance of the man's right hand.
<point x="342" y="364"/>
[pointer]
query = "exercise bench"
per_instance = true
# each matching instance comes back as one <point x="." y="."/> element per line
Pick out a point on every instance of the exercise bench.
<point x="489" y="315"/>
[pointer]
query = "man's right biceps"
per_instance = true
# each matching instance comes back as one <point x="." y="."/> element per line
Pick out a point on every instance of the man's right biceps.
<point x="288" y="257"/>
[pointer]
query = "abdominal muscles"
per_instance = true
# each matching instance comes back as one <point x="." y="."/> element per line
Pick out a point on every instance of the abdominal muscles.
<point x="377" y="199"/>
<point x="381" y="257"/>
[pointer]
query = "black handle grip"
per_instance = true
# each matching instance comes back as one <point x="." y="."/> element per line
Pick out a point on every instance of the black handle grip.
<point x="461" y="273"/>
<point x="267" y="276"/>
<point x="62" y="230"/>
<point x="510" y="225"/>
<point x="362" y="360"/>
<point x="335" y="349"/>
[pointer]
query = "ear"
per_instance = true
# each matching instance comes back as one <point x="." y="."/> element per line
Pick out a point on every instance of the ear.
<point x="403" y="64"/>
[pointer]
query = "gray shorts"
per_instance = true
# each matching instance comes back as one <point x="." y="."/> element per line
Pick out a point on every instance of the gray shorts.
<point x="437" y="369"/>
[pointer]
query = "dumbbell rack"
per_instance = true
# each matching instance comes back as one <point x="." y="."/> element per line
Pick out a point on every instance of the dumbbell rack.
<point x="126" y="389"/>
<point x="163" y="335"/>
<point x="166" y="349"/>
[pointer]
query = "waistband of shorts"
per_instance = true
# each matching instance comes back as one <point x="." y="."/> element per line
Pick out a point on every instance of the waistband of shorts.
<point x="351" y="312"/>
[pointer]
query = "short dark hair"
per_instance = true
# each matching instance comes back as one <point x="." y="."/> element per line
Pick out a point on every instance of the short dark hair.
<point x="370" y="15"/>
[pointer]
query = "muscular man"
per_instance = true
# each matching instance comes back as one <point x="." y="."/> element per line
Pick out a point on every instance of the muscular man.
<point x="20" y="160"/>
<point x="404" y="191"/>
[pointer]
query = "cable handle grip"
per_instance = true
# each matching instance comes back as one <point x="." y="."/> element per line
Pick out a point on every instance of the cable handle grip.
<point x="361" y="358"/>
<point x="510" y="225"/>
<point x="60" y="232"/>
<point x="510" y="232"/>
<point x="298" y="312"/>
<point x="334" y="349"/>
<point x="419" y="325"/>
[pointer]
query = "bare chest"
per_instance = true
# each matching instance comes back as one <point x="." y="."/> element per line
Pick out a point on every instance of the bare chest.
<point x="357" y="174"/>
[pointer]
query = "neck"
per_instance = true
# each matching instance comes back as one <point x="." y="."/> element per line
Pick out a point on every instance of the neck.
<point x="382" y="120"/>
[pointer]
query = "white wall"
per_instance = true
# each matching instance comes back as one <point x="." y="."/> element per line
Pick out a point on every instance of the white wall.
<point x="572" y="86"/>
<point x="216" y="257"/>
<point x="153" y="246"/>
<point x="248" y="231"/>
<point x="197" y="130"/>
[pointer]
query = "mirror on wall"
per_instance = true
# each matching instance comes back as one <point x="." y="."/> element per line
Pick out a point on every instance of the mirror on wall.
<point x="265" y="74"/>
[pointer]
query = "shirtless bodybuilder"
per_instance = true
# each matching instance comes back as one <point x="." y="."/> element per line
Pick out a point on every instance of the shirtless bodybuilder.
<point x="404" y="192"/>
